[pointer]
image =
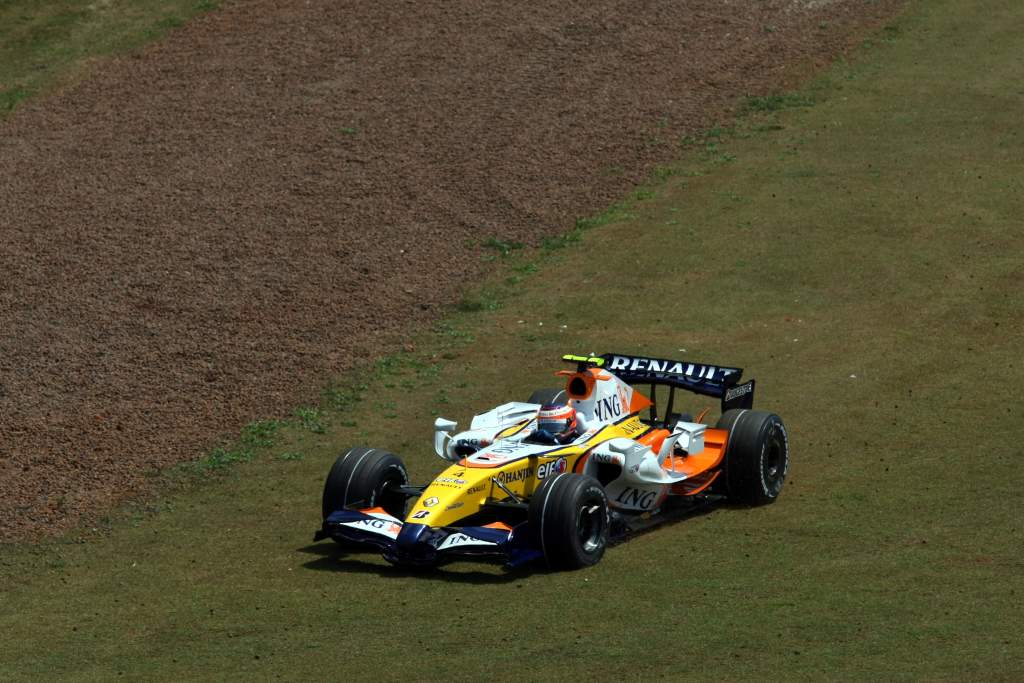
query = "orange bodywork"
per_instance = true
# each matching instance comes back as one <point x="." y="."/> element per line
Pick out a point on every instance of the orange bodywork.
<point x="692" y="487"/>
<point x="654" y="438"/>
<point x="710" y="457"/>
<point x="638" y="402"/>
<point x="692" y="465"/>
<point x="699" y="466"/>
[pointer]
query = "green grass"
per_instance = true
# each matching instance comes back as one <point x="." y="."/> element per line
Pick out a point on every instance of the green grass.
<point x="778" y="101"/>
<point x="45" y="43"/>
<point x="502" y="247"/>
<point x="861" y="258"/>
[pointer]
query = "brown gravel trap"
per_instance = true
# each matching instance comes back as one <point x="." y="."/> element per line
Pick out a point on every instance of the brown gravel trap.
<point x="199" y="232"/>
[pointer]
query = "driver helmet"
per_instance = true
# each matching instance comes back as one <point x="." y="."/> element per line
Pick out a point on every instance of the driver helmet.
<point x="556" y="422"/>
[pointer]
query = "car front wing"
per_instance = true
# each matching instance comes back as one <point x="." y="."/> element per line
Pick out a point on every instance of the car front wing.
<point x="407" y="543"/>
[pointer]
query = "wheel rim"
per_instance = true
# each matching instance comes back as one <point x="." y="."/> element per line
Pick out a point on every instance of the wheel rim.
<point x="590" y="522"/>
<point x="774" y="464"/>
<point x="392" y="501"/>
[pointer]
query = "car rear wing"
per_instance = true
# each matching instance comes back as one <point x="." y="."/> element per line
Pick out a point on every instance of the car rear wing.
<point x="717" y="381"/>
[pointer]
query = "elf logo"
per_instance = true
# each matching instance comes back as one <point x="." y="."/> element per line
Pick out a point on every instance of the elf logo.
<point x="550" y="469"/>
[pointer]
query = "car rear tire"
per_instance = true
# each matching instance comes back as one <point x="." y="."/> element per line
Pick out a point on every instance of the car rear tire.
<point x="756" y="456"/>
<point x="569" y="520"/>
<point x="363" y="478"/>
<point x="546" y="396"/>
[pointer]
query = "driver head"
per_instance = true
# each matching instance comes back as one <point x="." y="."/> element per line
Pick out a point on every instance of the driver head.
<point x="556" y="422"/>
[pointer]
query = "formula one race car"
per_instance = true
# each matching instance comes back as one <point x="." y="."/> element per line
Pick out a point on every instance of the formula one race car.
<point x="518" y="489"/>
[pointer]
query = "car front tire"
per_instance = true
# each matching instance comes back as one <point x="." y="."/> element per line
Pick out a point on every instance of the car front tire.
<point x="364" y="478"/>
<point x="569" y="520"/>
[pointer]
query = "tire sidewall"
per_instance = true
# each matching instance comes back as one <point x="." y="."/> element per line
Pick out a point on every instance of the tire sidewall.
<point x="555" y="514"/>
<point x="359" y="477"/>
<point x="773" y="430"/>
<point x="377" y="478"/>
<point x="591" y="493"/>
<point x="752" y="436"/>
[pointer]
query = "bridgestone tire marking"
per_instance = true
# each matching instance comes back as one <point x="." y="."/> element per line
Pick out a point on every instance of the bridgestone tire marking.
<point x="760" y="464"/>
<point x="355" y="468"/>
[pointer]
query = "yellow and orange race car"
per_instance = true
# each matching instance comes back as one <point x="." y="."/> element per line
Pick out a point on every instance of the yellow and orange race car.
<point x="558" y="476"/>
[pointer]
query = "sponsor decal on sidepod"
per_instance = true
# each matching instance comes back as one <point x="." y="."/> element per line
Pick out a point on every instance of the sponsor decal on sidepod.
<point x="515" y="475"/>
<point x="549" y="469"/>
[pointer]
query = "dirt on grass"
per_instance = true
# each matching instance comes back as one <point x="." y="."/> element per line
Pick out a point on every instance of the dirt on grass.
<point x="198" y="233"/>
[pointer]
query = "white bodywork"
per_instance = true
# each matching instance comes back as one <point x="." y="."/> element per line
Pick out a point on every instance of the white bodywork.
<point x="379" y="523"/>
<point x="644" y="482"/>
<point x="609" y="401"/>
<point x="483" y="429"/>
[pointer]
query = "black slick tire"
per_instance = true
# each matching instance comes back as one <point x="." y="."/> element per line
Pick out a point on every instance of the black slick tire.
<point x="756" y="457"/>
<point x="546" y="396"/>
<point x="569" y="520"/>
<point x="363" y="478"/>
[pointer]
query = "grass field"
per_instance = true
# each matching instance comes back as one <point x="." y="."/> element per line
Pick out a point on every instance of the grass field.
<point x="857" y="247"/>
<point x="45" y="43"/>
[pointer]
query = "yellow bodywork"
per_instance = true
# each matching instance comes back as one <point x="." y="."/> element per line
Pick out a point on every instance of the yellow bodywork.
<point x="463" y="488"/>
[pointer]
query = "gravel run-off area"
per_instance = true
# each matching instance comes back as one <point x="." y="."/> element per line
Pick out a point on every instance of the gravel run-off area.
<point x="202" y="232"/>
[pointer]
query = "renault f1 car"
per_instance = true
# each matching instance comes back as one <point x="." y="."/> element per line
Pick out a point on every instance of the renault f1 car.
<point x="509" y="494"/>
